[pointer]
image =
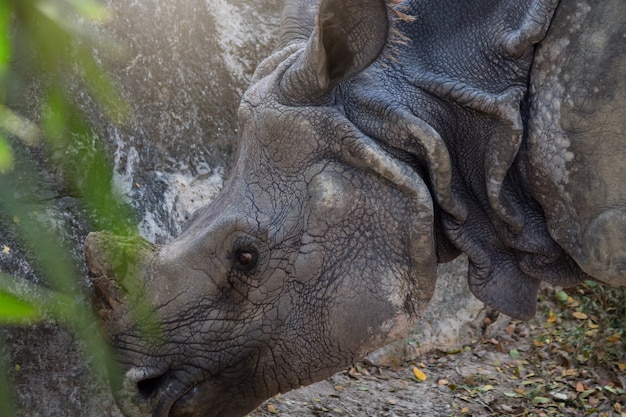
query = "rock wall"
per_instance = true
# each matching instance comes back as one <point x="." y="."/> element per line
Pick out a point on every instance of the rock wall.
<point x="182" y="65"/>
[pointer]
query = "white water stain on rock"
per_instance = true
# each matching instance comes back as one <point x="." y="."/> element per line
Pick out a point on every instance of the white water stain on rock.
<point x="186" y="189"/>
<point x="232" y="35"/>
<point x="125" y="161"/>
<point x="185" y="194"/>
<point x="241" y="28"/>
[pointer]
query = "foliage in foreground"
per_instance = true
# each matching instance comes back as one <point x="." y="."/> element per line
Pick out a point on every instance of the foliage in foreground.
<point x="50" y="40"/>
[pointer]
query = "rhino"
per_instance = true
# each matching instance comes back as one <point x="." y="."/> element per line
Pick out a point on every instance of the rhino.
<point x="379" y="139"/>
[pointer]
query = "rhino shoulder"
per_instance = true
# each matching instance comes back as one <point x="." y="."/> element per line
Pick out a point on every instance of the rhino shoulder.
<point x="576" y="141"/>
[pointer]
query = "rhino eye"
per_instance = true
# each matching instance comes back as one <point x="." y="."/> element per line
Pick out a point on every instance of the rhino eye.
<point x="245" y="259"/>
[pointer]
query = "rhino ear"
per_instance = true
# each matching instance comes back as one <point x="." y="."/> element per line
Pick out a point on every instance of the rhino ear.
<point x="348" y="36"/>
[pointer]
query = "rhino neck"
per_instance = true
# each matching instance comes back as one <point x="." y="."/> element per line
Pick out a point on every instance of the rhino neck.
<point x="469" y="149"/>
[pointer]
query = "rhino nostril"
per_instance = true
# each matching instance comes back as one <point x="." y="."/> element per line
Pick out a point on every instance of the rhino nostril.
<point x="146" y="382"/>
<point x="147" y="387"/>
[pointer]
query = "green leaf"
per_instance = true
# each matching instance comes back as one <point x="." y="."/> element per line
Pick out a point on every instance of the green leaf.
<point x="18" y="126"/>
<point x="561" y="296"/>
<point x="5" y="36"/>
<point x="91" y="10"/>
<point x="541" y="400"/>
<point x="14" y="310"/>
<point x="6" y="156"/>
<point x="514" y="353"/>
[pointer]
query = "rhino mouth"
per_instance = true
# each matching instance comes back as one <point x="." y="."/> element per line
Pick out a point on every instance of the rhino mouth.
<point x="193" y="403"/>
<point x="151" y="392"/>
<point x="148" y="392"/>
<point x="208" y="399"/>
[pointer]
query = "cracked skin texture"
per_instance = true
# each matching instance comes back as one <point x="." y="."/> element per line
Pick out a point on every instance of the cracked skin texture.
<point x="577" y="138"/>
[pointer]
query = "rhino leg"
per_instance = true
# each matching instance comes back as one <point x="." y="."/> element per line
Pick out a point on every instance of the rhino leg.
<point x="576" y="142"/>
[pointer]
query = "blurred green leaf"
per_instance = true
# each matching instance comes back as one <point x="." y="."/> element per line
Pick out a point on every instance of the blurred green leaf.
<point x="18" y="126"/>
<point x="64" y="46"/>
<point x="54" y="41"/>
<point x="88" y="9"/>
<point x="6" y="156"/>
<point x="14" y="310"/>
<point x="92" y="10"/>
<point x="54" y="116"/>
<point x="6" y="11"/>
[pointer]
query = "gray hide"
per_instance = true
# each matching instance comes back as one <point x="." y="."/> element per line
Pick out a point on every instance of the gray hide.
<point x="576" y="143"/>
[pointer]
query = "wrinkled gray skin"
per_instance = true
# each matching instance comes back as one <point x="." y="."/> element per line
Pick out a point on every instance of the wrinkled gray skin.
<point x="377" y="141"/>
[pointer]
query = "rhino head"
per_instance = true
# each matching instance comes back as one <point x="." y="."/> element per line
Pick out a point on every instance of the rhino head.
<point x="291" y="273"/>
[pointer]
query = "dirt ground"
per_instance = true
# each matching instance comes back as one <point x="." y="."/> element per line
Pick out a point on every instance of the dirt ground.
<point x="569" y="360"/>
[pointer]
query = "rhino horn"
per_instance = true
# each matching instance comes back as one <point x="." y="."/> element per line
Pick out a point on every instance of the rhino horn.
<point x="348" y="36"/>
<point x="115" y="263"/>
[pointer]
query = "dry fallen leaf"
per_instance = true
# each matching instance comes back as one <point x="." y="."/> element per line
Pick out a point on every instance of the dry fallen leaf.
<point x="580" y="315"/>
<point x="615" y="338"/>
<point x="421" y="376"/>
<point x="352" y="372"/>
<point x="572" y="302"/>
<point x="510" y="329"/>
<point x="6" y="249"/>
